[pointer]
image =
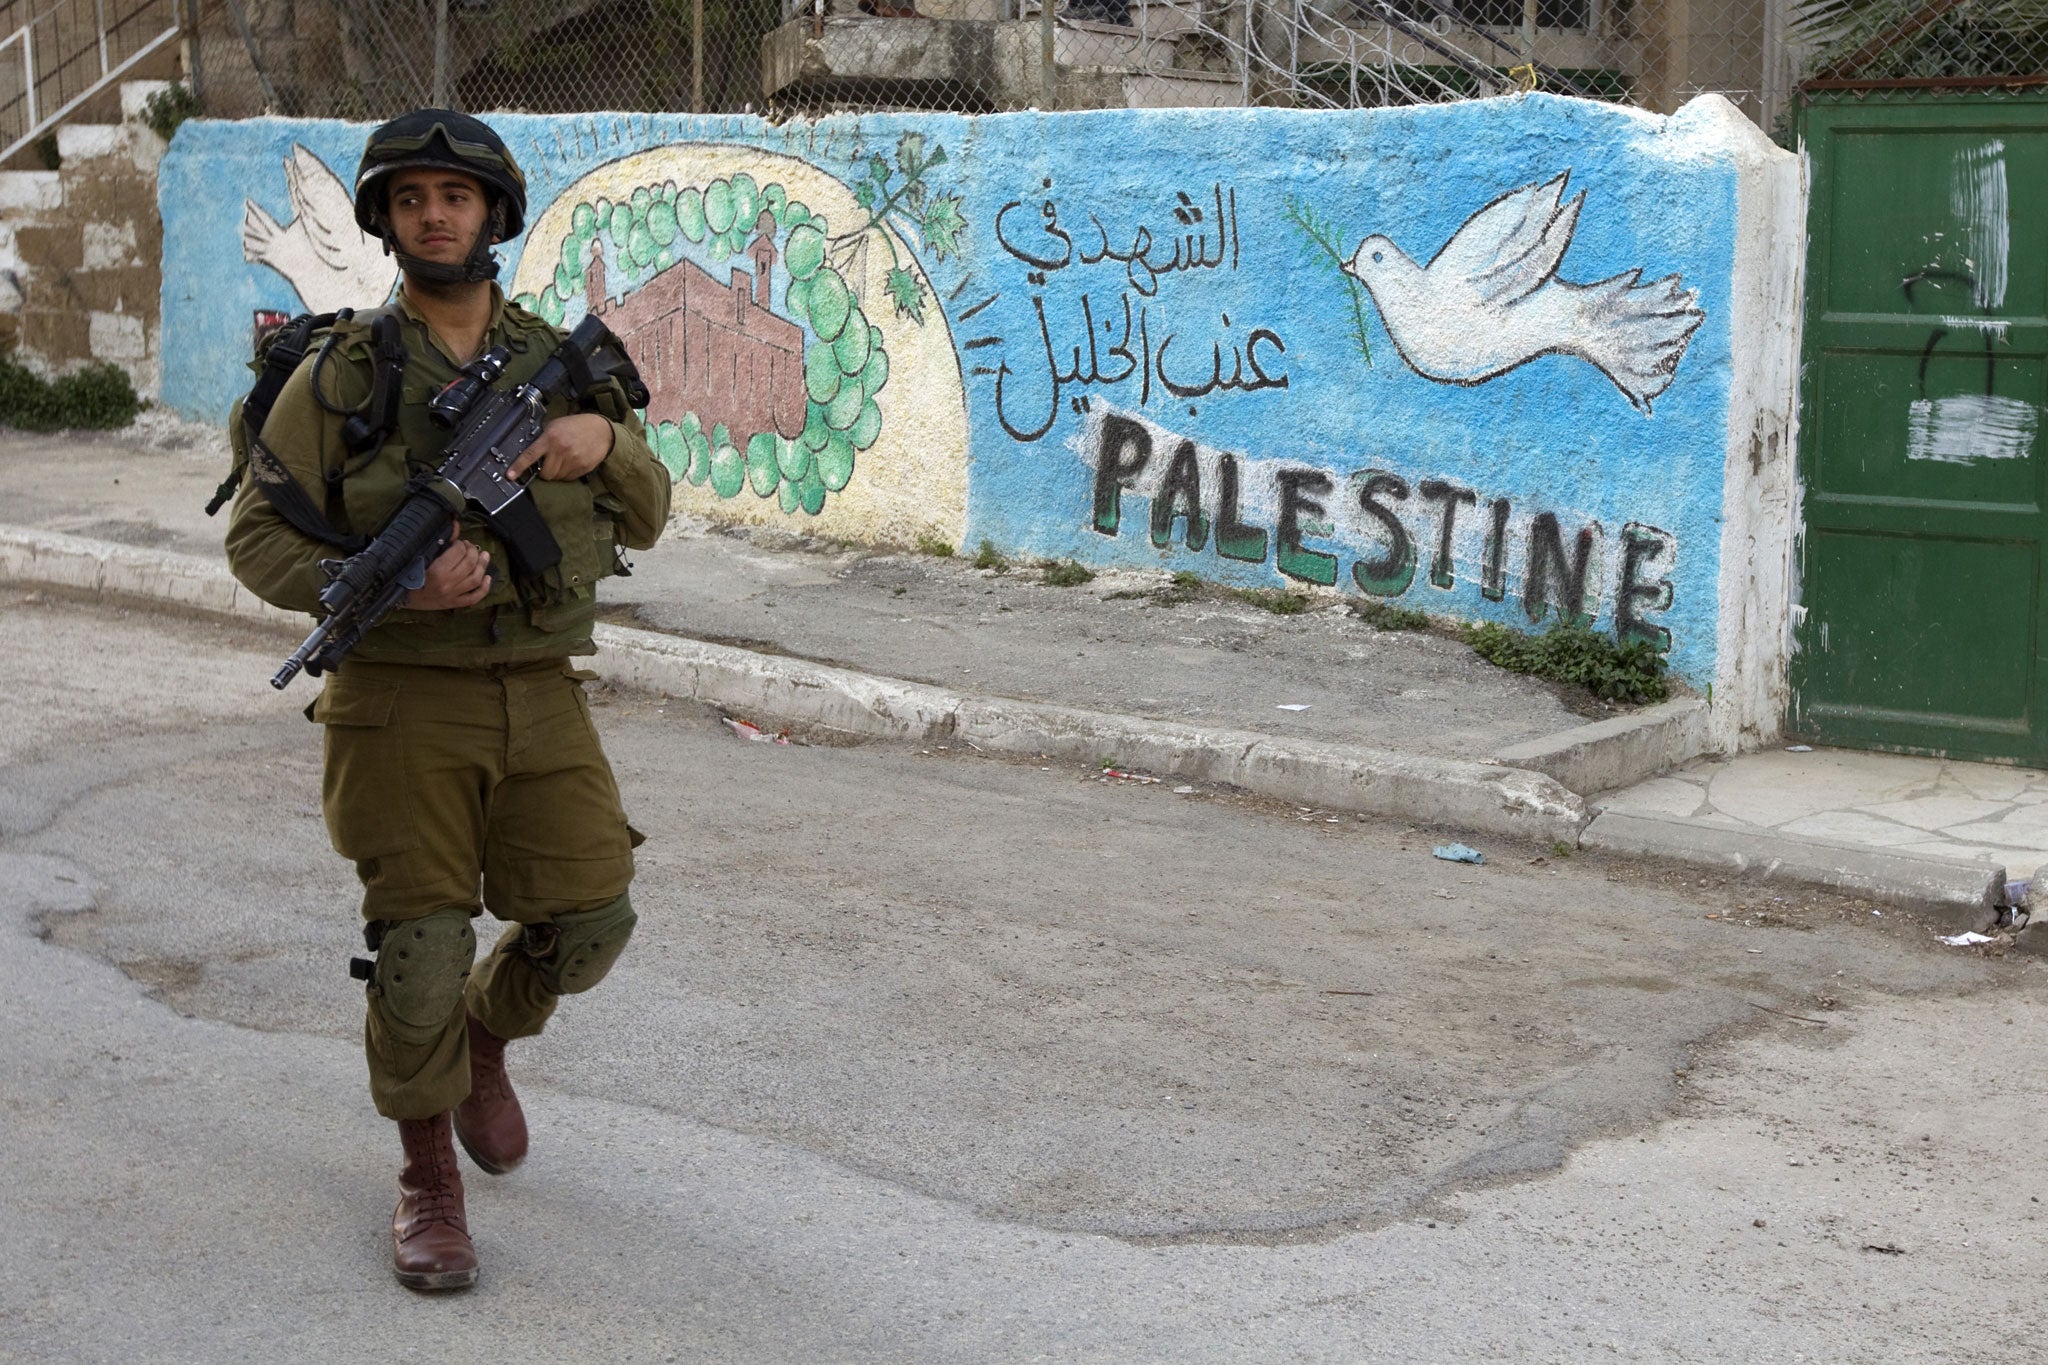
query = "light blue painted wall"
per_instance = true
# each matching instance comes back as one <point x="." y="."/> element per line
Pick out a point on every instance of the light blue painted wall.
<point x="1555" y="438"/>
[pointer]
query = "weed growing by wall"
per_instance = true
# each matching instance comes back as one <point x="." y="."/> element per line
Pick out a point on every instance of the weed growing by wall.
<point x="1279" y="601"/>
<point x="169" y="107"/>
<point x="1066" y="574"/>
<point x="1573" y="652"/>
<point x="1386" y="616"/>
<point x="99" y="396"/>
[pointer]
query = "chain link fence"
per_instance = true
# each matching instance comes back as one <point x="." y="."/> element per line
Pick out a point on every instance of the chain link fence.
<point x="366" y="59"/>
<point x="781" y="58"/>
<point x="369" y="59"/>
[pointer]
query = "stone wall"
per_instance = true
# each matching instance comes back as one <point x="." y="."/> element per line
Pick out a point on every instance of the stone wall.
<point x="81" y="250"/>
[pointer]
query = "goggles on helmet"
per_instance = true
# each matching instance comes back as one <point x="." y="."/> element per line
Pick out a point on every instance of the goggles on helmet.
<point x="411" y="143"/>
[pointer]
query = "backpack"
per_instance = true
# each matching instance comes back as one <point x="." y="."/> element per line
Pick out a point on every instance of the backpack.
<point x="279" y="353"/>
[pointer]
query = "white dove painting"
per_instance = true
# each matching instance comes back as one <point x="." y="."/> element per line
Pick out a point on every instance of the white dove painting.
<point x="327" y="258"/>
<point x="1490" y="300"/>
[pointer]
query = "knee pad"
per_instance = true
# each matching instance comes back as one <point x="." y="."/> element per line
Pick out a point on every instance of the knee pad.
<point x="422" y="965"/>
<point x="573" y="952"/>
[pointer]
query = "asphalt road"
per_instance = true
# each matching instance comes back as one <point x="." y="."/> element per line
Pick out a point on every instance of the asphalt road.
<point x="929" y="1057"/>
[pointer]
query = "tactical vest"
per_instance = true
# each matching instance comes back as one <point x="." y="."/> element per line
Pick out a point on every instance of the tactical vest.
<point x="584" y="518"/>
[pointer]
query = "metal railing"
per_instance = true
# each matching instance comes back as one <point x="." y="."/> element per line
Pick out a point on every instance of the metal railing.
<point x="52" y="62"/>
<point x="843" y="54"/>
<point x="1346" y="54"/>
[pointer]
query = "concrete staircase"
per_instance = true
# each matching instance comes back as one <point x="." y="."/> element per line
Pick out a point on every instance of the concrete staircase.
<point x="1172" y="54"/>
<point x="988" y="53"/>
<point x="1140" y="65"/>
<point x="58" y="63"/>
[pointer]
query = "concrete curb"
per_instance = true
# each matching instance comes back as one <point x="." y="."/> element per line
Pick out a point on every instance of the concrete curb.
<point x="1473" y="796"/>
<point x="1961" y="891"/>
<point x="1480" y="797"/>
<point x="1610" y="754"/>
<point x="108" y="570"/>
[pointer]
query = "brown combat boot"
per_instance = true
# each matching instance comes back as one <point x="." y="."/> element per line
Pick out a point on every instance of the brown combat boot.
<point x="490" y="1122"/>
<point x="430" y="1246"/>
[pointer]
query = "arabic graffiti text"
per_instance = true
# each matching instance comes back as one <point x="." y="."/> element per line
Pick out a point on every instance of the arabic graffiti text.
<point x="1119" y="331"/>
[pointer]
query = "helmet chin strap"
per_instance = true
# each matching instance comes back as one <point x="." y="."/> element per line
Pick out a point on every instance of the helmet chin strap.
<point x="479" y="266"/>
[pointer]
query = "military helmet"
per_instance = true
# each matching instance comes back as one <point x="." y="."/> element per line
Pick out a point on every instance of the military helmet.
<point x="438" y="137"/>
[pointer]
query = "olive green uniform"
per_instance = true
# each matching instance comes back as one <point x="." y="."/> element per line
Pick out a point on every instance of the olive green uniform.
<point x="462" y="769"/>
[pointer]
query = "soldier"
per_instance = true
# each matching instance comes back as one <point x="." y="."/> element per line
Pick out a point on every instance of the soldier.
<point x="460" y="755"/>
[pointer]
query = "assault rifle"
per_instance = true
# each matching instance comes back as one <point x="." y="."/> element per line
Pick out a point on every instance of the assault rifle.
<point x="493" y="427"/>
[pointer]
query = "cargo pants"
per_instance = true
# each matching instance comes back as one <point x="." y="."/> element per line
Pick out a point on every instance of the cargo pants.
<point x="467" y="789"/>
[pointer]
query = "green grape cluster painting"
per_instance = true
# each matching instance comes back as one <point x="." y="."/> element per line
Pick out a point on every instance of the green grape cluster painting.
<point x="799" y="365"/>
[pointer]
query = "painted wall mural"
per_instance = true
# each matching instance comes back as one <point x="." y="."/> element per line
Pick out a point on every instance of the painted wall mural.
<point x="747" y="309"/>
<point x="1187" y="339"/>
<point x="326" y="259"/>
<point x="1490" y="300"/>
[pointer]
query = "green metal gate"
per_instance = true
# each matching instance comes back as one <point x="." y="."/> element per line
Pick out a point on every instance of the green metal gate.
<point x="1924" y="388"/>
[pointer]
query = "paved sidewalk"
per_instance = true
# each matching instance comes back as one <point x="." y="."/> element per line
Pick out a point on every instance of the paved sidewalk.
<point x="1892" y="802"/>
<point x="1319" y="708"/>
<point x="1109" y="645"/>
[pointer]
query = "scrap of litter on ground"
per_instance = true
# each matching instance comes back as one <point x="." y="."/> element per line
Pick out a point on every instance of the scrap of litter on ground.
<point x="746" y="729"/>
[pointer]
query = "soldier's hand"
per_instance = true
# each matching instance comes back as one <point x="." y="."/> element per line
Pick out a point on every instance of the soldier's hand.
<point x="458" y="577"/>
<point x="568" y="448"/>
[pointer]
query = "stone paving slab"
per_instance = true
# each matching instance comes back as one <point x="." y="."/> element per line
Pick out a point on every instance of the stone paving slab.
<point x="1899" y="803"/>
<point x="1965" y="891"/>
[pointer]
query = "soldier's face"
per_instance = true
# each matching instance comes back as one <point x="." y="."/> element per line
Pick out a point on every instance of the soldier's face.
<point x="436" y="214"/>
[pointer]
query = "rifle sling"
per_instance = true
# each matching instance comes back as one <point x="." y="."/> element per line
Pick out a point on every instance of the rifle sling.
<point x="289" y="500"/>
<point x="529" y="543"/>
